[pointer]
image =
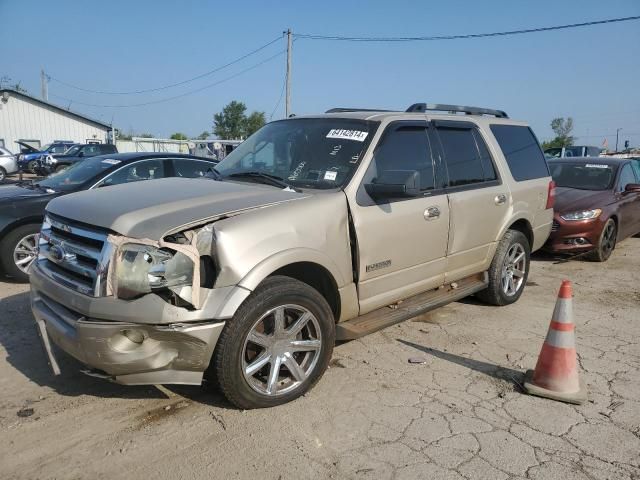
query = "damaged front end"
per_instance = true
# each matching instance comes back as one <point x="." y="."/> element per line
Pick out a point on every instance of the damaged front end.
<point x="136" y="311"/>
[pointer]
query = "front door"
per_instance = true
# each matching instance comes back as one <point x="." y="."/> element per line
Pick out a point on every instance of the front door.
<point x="629" y="203"/>
<point x="402" y="242"/>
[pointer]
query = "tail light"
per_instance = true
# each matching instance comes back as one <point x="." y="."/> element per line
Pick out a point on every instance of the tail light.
<point x="551" y="195"/>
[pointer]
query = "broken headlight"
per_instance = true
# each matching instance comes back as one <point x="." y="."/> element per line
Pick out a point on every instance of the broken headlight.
<point x="141" y="269"/>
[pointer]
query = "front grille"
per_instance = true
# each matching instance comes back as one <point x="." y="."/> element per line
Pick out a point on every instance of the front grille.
<point x="74" y="255"/>
<point x="555" y="226"/>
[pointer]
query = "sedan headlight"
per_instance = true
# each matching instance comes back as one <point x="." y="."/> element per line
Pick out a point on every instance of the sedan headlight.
<point x="583" y="215"/>
<point x="141" y="269"/>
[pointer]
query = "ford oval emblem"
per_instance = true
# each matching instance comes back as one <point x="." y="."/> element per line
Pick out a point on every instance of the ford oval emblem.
<point x="57" y="253"/>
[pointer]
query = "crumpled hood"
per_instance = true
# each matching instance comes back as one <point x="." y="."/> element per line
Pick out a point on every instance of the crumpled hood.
<point x="574" y="200"/>
<point x="150" y="209"/>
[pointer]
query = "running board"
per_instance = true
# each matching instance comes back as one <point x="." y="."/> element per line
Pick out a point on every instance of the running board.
<point x="411" y="307"/>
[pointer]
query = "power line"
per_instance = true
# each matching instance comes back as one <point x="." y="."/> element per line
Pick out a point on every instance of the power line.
<point x="459" y="37"/>
<point x="284" y="84"/>
<point x="176" y="96"/>
<point x="157" y="89"/>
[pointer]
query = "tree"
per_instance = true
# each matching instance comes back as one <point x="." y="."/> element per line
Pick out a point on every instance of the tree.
<point x="229" y="124"/>
<point x="178" y="136"/>
<point x="254" y="122"/>
<point x="232" y="123"/>
<point x="203" y="136"/>
<point x="562" y="128"/>
<point x="146" y="135"/>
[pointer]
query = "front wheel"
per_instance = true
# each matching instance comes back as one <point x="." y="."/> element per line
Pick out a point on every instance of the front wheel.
<point x="3" y="174"/>
<point x="509" y="270"/>
<point x="606" y="242"/>
<point x="18" y="250"/>
<point x="277" y="346"/>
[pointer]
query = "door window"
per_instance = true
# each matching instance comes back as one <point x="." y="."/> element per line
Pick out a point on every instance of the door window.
<point x="191" y="168"/>
<point x="466" y="163"/>
<point x="136" y="172"/>
<point x="626" y="176"/>
<point x="406" y="148"/>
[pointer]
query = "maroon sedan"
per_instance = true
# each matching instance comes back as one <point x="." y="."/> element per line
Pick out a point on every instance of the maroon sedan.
<point x="597" y="205"/>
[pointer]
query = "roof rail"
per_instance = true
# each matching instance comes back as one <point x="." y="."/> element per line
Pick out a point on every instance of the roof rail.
<point x="343" y="110"/>
<point x="441" y="107"/>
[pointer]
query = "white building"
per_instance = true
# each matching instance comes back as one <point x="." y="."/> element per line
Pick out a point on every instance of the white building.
<point x="23" y="117"/>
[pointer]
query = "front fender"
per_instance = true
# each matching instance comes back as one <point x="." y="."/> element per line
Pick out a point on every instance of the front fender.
<point x="287" y="257"/>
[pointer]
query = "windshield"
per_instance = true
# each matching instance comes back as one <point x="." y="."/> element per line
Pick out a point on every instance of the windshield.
<point x="73" y="150"/>
<point x="46" y="147"/>
<point x="584" y="176"/>
<point x="79" y="173"/>
<point x="320" y="153"/>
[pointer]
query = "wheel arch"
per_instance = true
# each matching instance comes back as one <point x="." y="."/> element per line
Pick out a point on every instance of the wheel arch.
<point x="20" y="222"/>
<point x="523" y="226"/>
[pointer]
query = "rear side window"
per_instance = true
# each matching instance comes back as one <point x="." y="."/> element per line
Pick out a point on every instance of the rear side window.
<point x="522" y="151"/>
<point x="467" y="157"/>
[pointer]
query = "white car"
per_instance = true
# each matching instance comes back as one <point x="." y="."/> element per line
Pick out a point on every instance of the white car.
<point x="8" y="163"/>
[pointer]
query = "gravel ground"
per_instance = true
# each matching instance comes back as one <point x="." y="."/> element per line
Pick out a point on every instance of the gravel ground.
<point x="374" y="415"/>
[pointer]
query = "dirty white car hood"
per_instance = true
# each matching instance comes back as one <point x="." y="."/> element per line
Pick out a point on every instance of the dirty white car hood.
<point x="151" y="209"/>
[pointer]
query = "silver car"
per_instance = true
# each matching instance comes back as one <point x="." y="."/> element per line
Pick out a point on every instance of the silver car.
<point x="8" y="163"/>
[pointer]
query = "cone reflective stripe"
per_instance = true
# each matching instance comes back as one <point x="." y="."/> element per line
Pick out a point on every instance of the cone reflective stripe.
<point x="556" y="373"/>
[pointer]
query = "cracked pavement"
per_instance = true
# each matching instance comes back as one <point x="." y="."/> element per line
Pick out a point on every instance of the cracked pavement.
<point x="460" y="414"/>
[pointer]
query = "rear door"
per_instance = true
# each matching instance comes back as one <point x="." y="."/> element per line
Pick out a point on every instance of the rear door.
<point x="478" y="199"/>
<point x="401" y="242"/>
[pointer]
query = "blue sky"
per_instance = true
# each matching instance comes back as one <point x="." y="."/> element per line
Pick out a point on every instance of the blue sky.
<point x="591" y="74"/>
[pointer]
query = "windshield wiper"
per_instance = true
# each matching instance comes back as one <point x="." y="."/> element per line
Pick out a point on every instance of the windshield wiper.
<point x="267" y="178"/>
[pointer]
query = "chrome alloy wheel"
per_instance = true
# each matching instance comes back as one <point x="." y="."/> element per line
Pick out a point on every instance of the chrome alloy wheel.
<point x="281" y="350"/>
<point x="514" y="269"/>
<point x="25" y="252"/>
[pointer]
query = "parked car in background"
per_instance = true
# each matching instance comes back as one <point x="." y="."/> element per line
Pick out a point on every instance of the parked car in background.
<point x="30" y="155"/>
<point x="308" y="231"/>
<point x="573" y="151"/>
<point x="54" y="163"/>
<point x="597" y="205"/>
<point x="22" y="205"/>
<point x="8" y="163"/>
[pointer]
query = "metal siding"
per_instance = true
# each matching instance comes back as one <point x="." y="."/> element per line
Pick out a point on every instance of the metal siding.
<point x="21" y="118"/>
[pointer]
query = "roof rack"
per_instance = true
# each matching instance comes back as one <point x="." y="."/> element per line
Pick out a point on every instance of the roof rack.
<point x="441" y="107"/>
<point x="343" y="110"/>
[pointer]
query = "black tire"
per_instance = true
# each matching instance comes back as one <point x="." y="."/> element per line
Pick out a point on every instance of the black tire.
<point x="606" y="242"/>
<point x="3" y="174"/>
<point x="31" y="166"/>
<point x="7" y="247"/>
<point x="495" y="293"/>
<point x="229" y="354"/>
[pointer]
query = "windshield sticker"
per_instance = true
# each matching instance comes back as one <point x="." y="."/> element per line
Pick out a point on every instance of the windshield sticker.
<point x="111" y="161"/>
<point x="596" y="165"/>
<point x="296" y="173"/>
<point x="330" y="175"/>
<point x="356" y="135"/>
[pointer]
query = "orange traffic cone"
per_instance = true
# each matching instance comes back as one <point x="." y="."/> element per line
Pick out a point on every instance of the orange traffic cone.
<point x="556" y="373"/>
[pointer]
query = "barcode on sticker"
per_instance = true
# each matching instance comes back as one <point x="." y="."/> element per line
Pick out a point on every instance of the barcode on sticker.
<point x="111" y="161"/>
<point x="330" y="175"/>
<point x="596" y="165"/>
<point x="356" y="135"/>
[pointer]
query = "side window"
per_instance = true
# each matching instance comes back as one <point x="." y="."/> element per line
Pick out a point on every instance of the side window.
<point x="191" y="168"/>
<point x="626" y="176"/>
<point x="485" y="158"/>
<point x="635" y="163"/>
<point x="406" y="148"/>
<point x="136" y="172"/>
<point x="522" y="152"/>
<point x="462" y="157"/>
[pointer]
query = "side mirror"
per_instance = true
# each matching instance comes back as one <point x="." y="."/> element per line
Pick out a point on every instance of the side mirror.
<point x="632" y="188"/>
<point x="81" y="153"/>
<point x="394" y="184"/>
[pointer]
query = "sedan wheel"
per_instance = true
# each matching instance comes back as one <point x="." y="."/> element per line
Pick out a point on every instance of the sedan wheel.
<point x="26" y="252"/>
<point x="607" y="242"/>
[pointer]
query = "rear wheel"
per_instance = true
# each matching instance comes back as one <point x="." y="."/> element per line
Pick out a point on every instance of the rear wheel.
<point x="277" y="346"/>
<point x="509" y="270"/>
<point x="606" y="242"/>
<point x="18" y="250"/>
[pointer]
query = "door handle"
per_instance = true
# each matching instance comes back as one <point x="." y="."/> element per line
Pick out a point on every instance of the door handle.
<point x="432" y="213"/>
<point x="500" y="199"/>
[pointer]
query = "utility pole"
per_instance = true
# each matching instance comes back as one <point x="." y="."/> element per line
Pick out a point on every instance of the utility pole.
<point x="44" y="87"/>
<point x="617" y="132"/>
<point x="287" y="108"/>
